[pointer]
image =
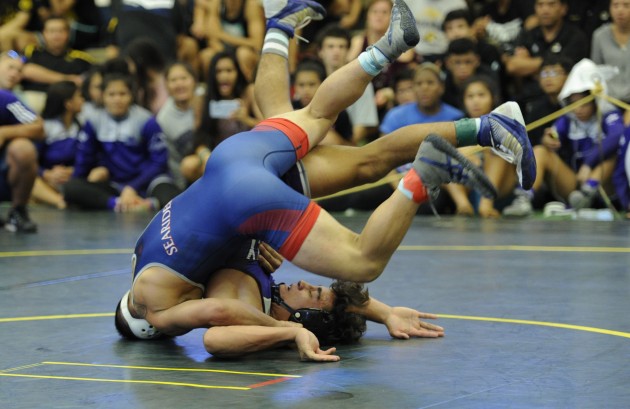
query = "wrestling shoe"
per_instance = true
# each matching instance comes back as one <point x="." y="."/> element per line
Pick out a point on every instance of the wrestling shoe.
<point x="291" y="15"/>
<point x="438" y="162"/>
<point x="504" y="131"/>
<point x="18" y="221"/>
<point x="402" y="33"/>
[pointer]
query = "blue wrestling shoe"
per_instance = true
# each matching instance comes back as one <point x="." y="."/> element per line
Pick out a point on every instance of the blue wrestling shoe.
<point x="290" y="15"/>
<point x="439" y="162"/>
<point x="504" y="131"/>
<point x="402" y="33"/>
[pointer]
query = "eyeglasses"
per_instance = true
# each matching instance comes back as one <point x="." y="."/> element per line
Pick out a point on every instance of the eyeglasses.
<point x="15" y="55"/>
<point x="550" y="73"/>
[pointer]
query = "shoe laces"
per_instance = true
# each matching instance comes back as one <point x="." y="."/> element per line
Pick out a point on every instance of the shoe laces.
<point x="303" y="24"/>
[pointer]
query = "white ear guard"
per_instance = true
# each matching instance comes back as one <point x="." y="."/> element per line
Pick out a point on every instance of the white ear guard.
<point x="139" y="327"/>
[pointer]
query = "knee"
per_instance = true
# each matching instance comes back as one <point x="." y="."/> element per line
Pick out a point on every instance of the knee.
<point x="22" y="153"/>
<point x="541" y="153"/>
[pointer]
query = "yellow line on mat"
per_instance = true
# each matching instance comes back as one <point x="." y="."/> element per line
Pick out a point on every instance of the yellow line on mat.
<point x="84" y="252"/>
<point x="73" y="378"/>
<point x="539" y="323"/>
<point x="57" y="317"/>
<point x="566" y="249"/>
<point x="153" y="368"/>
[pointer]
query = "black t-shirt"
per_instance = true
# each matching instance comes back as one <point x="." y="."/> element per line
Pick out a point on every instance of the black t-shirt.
<point x="517" y="9"/>
<point x="72" y="62"/>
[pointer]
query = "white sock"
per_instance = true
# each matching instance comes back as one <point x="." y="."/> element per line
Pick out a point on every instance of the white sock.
<point x="276" y="42"/>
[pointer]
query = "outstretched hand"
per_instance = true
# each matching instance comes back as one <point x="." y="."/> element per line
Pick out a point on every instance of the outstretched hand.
<point x="403" y="323"/>
<point x="309" y="349"/>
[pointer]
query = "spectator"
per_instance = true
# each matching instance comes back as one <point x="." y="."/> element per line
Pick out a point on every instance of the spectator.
<point x="59" y="148"/>
<point x="18" y="156"/>
<point x="552" y="36"/>
<point x="178" y="120"/>
<point x="501" y="20"/>
<point x="553" y="74"/>
<point x="53" y="62"/>
<point x="229" y="106"/>
<point x="83" y="17"/>
<point x="577" y="152"/>
<point x="610" y="46"/>
<point x="403" y="87"/>
<point x="92" y="92"/>
<point x="462" y="62"/>
<point x="333" y="45"/>
<point x="428" y="105"/>
<point x="621" y="174"/>
<point x="125" y="140"/>
<point x="147" y="63"/>
<point x="429" y="18"/>
<point x="235" y="26"/>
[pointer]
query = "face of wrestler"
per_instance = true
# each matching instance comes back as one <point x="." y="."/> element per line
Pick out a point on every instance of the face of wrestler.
<point x="10" y="71"/>
<point x="117" y="98"/>
<point x="226" y="77"/>
<point x="306" y="83"/>
<point x="305" y="295"/>
<point x="180" y="84"/>
<point x="477" y="99"/>
<point x="378" y="15"/>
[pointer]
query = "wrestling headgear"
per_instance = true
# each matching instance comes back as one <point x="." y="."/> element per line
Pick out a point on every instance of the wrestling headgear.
<point x="139" y="327"/>
<point x="319" y="322"/>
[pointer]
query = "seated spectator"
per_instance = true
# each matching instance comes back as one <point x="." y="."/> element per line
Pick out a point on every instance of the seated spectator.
<point x="430" y="16"/>
<point x="458" y="24"/>
<point x="403" y="87"/>
<point x="178" y="119"/>
<point x="128" y="143"/>
<point x="18" y="159"/>
<point x="346" y="14"/>
<point x="428" y="105"/>
<point x="553" y="74"/>
<point x="83" y="17"/>
<point x="235" y="26"/>
<point x="53" y="62"/>
<point x="611" y="46"/>
<point x="552" y="36"/>
<point x="577" y="154"/>
<point x="229" y="106"/>
<point x="11" y="66"/>
<point x="59" y="149"/>
<point x="621" y="174"/>
<point x="147" y="63"/>
<point x="92" y="92"/>
<point x="481" y="96"/>
<point x="501" y="21"/>
<point x="462" y="62"/>
<point x="308" y="76"/>
<point x="376" y="23"/>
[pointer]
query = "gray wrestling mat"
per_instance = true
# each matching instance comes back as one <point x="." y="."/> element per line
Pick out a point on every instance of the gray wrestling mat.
<point x="536" y="315"/>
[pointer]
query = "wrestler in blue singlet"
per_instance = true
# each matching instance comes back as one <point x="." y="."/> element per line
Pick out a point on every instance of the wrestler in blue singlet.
<point x="241" y="195"/>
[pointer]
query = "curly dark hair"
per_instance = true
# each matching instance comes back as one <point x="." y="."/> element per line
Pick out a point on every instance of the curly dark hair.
<point x="349" y="327"/>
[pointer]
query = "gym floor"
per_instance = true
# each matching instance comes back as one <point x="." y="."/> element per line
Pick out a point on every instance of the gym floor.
<point x="536" y="314"/>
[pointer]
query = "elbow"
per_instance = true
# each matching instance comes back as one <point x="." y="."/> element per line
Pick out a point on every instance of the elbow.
<point x="215" y="344"/>
<point x="371" y="270"/>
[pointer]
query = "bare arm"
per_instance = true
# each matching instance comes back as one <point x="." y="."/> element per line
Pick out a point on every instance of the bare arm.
<point x="255" y="26"/>
<point x="34" y="131"/>
<point x="401" y="322"/>
<point x="61" y="7"/>
<point x="235" y="341"/>
<point x="522" y="64"/>
<point x="38" y="73"/>
<point x="208" y="312"/>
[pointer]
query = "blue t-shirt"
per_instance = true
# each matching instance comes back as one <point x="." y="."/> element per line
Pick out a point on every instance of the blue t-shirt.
<point x="409" y="114"/>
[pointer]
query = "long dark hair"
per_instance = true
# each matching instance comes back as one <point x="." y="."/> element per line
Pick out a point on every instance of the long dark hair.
<point x="208" y="130"/>
<point x="58" y="94"/>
